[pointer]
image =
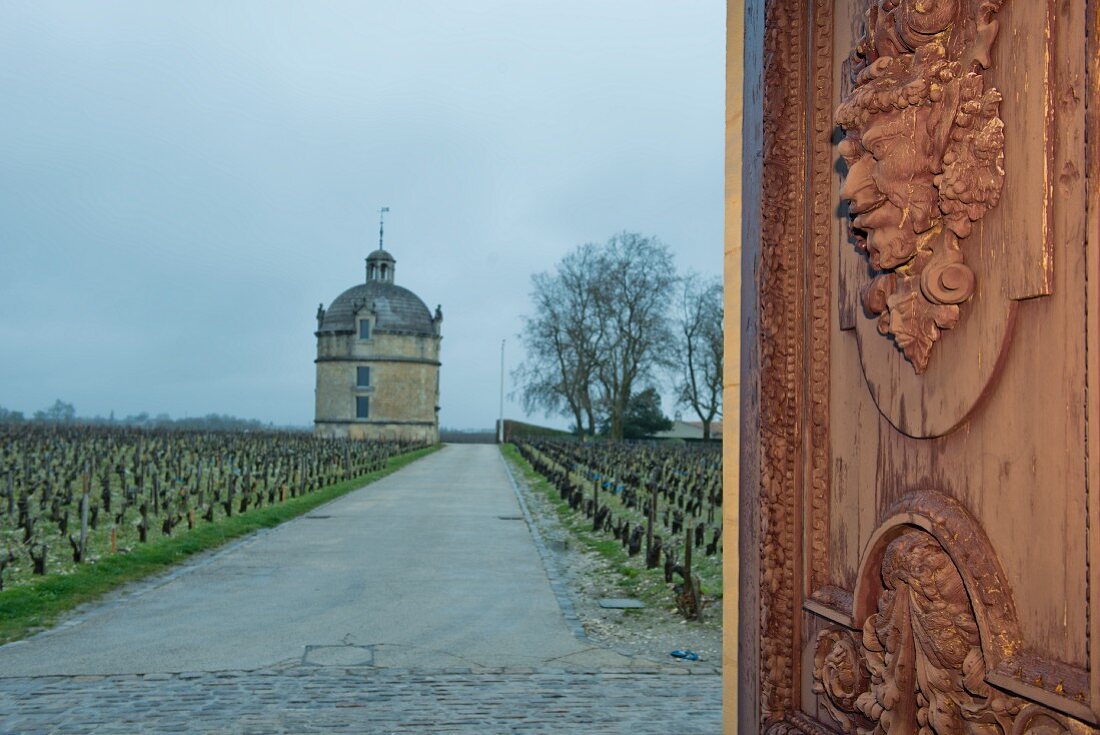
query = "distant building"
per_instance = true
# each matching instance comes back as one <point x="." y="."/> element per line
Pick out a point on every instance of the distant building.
<point x="691" y="431"/>
<point x="378" y="361"/>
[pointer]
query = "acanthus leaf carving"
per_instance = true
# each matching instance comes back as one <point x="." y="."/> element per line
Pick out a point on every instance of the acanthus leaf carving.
<point x="924" y="145"/>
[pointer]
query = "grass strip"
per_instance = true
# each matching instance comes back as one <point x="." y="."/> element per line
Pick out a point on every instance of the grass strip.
<point x="634" y="580"/>
<point x="28" y="608"/>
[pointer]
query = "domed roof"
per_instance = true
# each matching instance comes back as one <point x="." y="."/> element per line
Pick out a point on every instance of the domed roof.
<point x="396" y="309"/>
<point x="381" y="254"/>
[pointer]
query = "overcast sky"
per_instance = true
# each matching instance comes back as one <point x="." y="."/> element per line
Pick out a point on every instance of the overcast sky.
<point x="181" y="183"/>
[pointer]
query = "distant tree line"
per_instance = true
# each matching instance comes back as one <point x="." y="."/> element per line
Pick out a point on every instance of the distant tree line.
<point x="610" y="323"/>
<point x="61" y="412"/>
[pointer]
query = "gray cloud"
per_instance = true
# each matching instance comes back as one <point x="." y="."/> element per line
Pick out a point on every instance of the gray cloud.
<point x="181" y="184"/>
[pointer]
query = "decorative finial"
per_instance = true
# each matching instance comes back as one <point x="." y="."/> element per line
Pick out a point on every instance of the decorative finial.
<point x="381" y="222"/>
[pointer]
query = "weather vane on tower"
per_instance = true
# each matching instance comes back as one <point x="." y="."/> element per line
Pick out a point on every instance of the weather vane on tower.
<point x="381" y="223"/>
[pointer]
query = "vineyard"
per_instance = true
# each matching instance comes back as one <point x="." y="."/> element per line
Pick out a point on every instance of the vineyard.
<point x="74" y="495"/>
<point x="659" y="501"/>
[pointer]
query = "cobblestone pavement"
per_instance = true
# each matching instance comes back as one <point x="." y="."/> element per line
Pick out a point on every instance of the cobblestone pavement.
<point x="305" y="699"/>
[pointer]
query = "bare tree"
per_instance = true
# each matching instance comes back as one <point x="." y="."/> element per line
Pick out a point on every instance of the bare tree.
<point x="633" y="284"/>
<point x="599" y="327"/>
<point x="562" y="341"/>
<point x="699" y="348"/>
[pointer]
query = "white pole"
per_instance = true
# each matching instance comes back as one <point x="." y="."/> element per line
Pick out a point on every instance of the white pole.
<point x="500" y="423"/>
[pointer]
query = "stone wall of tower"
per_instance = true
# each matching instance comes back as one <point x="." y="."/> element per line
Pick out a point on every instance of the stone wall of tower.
<point x="381" y="343"/>
<point x="379" y="432"/>
<point x="403" y="394"/>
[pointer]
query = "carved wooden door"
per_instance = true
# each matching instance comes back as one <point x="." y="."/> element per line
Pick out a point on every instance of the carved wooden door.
<point x="920" y="466"/>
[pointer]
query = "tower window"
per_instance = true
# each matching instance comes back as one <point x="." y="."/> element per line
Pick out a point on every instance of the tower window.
<point x="362" y="377"/>
<point x="364" y="329"/>
<point x="362" y="407"/>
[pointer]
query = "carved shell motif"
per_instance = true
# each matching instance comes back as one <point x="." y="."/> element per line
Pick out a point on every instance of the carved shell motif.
<point x="918" y="668"/>
<point x="924" y="146"/>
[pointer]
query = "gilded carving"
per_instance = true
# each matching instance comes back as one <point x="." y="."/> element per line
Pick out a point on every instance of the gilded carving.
<point x="918" y="668"/>
<point x="924" y="145"/>
<point x="780" y="367"/>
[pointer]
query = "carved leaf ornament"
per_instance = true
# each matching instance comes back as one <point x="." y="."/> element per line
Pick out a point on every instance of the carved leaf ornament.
<point x="924" y="145"/>
<point x="918" y="667"/>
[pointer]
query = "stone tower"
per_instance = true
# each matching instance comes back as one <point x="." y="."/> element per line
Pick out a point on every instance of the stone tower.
<point x="378" y="361"/>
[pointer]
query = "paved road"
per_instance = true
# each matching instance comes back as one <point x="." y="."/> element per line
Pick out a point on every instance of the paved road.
<point x="353" y="613"/>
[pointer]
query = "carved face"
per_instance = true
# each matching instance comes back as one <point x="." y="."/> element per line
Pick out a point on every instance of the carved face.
<point x="922" y="135"/>
<point x="924" y="147"/>
<point x="890" y="190"/>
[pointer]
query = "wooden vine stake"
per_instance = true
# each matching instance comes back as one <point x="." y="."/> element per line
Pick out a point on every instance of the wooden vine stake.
<point x="689" y="601"/>
<point x="651" y="518"/>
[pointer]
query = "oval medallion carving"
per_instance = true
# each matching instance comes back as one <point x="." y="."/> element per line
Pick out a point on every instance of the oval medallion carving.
<point x="936" y="402"/>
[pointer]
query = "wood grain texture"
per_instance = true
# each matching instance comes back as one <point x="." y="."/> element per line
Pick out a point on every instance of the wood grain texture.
<point x="1024" y="64"/>
<point x="1092" y="307"/>
<point x="735" y="85"/>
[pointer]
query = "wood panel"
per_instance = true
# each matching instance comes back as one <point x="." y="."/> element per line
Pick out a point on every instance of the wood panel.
<point x="884" y="486"/>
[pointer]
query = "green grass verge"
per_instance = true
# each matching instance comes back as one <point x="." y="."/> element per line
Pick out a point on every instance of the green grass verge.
<point x="634" y="579"/>
<point x="28" y="608"/>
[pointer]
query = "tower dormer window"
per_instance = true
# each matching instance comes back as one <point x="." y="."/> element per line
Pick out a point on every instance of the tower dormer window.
<point x="364" y="329"/>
